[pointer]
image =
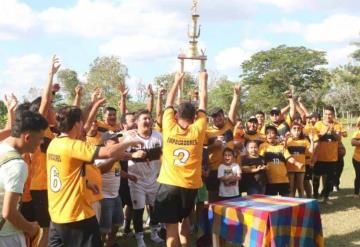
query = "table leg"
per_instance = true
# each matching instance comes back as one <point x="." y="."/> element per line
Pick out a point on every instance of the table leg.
<point x="215" y="240"/>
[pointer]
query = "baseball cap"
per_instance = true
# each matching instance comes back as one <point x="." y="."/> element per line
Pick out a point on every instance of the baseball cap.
<point x="253" y="119"/>
<point x="109" y="135"/>
<point x="275" y="110"/>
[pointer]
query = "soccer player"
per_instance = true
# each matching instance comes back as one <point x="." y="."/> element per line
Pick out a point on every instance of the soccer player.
<point x="276" y="156"/>
<point x="26" y="134"/>
<point x="73" y="221"/>
<point x="260" y="116"/>
<point x="180" y="173"/>
<point x="330" y="133"/>
<point x="219" y="136"/>
<point x="146" y="169"/>
<point x="299" y="147"/>
<point x="252" y="132"/>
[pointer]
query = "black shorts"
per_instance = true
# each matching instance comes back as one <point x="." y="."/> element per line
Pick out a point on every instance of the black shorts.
<point x="212" y="182"/>
<point x="83" y="233"/>
<point x="41" y="207"/>
<point x="322" y="167"/>
<point x="28" y="211"/>
<point x="308" y="173"/>
<point x="173" y="203"/>
<point x="124" y="190"/>
<point x="282" y="189"/>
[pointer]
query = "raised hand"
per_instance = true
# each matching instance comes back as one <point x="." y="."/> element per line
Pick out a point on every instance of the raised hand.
<point x="11" y="102"/>
<point x="79" y="90"/>
<point x="179" y="76"/>
<point x="55" y="65"/>
<point x="96" y="94"/>
<point x="288" y="94"/>
<point x="150" y="91"/>
<point x="237" y="89"/>
<point x="123" y="89"/>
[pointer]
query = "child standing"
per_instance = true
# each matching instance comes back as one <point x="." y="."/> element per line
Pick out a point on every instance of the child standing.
<point x="229" y="174"/>
<point x="253" y="179"/>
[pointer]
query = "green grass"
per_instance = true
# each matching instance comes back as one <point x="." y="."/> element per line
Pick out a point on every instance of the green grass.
<point x="341" y="221"/>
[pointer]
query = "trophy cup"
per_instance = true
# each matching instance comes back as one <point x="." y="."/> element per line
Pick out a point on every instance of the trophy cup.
<point x="193" y="50"/>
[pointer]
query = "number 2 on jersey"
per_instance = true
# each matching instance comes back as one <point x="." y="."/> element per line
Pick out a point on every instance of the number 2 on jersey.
<point x="55" y="182"/>
<point x="182" y="155"/>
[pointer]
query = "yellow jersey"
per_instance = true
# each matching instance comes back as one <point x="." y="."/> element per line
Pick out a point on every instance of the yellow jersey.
<point x="257" y="137"/>
<point x="299" y="150"/>
<point x="328" y="145"/>
<point x="94" y="140"/>
<point x="212" y="132"/>
<point x="26" y="196"/>
<point x="93" y="175"/>
<point x="275" y="159"/>
<point x="103" y="126"/>
<point x="38" y="161"/>
<point x="356" y="155"/>
<point x="66" y="159"/>
<point x="182" y="151"/>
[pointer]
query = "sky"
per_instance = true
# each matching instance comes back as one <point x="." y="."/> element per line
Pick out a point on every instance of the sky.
<point x="147" y="35"/>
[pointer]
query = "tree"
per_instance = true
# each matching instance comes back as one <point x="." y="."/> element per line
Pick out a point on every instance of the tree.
<point x="68" y="81"/>
<point x="3" y="114"/>
<point x="106" y="73"/>
<point x="274" y="70"/>
<point x="356" y="54"/>
<point x="221" y="94"/>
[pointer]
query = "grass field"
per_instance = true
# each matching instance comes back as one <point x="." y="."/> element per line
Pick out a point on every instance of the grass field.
<point x="341" y="221"/>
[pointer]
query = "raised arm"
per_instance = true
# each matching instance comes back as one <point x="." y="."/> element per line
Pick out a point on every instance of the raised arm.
<point x="150" y="103"/>
<point x="170" y="99"/>
<point x="92" y="115"/>
<point x="123" y="93"/>
<point x="159" y="104"/>
<point x="203" y="97"/>
<point x="47" y="93"/>
<point x="301" y="108"/>
<point x="234" y="102"/>
<point x="78" y="95"/>
<point x="11" y="104"/>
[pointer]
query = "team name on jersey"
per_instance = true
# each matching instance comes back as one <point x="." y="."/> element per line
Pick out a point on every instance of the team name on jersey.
<point x="182" y="142"/>
<point x="54" y="157"/>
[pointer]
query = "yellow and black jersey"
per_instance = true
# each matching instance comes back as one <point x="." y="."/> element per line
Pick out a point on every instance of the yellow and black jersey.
<point x="299" y="150"/>
<point x="328" y="145"/>
<point x="104" y="127"/>
<point x="275" y="159"/>
<point x="66" y="159"/>
<point x="257" y="137"/>
<point x="182" y="151"/>
<point x="212" y="132"/>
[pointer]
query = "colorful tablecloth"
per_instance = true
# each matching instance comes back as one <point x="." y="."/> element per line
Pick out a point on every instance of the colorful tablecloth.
<point x="260" y="220"/>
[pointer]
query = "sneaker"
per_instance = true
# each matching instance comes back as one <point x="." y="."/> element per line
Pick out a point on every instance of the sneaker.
<point x="336" y="188"/>
<point x="155" y="238"/>
<point x="140" y="239"/>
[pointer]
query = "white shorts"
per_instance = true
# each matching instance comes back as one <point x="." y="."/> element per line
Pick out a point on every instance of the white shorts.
<point x="141" y="196"/>
<point x="16" y="240"/>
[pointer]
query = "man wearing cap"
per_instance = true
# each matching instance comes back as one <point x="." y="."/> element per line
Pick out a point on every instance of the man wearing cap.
<point x="278" y="120"/>
<point x="252" y="132"/>
<point x="219" y="136"/>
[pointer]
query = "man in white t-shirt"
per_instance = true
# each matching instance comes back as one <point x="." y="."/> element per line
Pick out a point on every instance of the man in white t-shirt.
<point x="26" y="134"/>
<point x="146" y="169"/>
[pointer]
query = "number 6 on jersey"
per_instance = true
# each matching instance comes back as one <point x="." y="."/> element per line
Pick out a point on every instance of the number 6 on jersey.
<point x="55" y="182"/>
<point x="182" y="155"/>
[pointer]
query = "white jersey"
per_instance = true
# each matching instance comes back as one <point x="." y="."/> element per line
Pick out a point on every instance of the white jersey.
<point x="147" y="170"/>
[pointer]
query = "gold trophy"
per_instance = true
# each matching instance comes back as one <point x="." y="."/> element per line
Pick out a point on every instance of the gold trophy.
<point x="193" y="51"/>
